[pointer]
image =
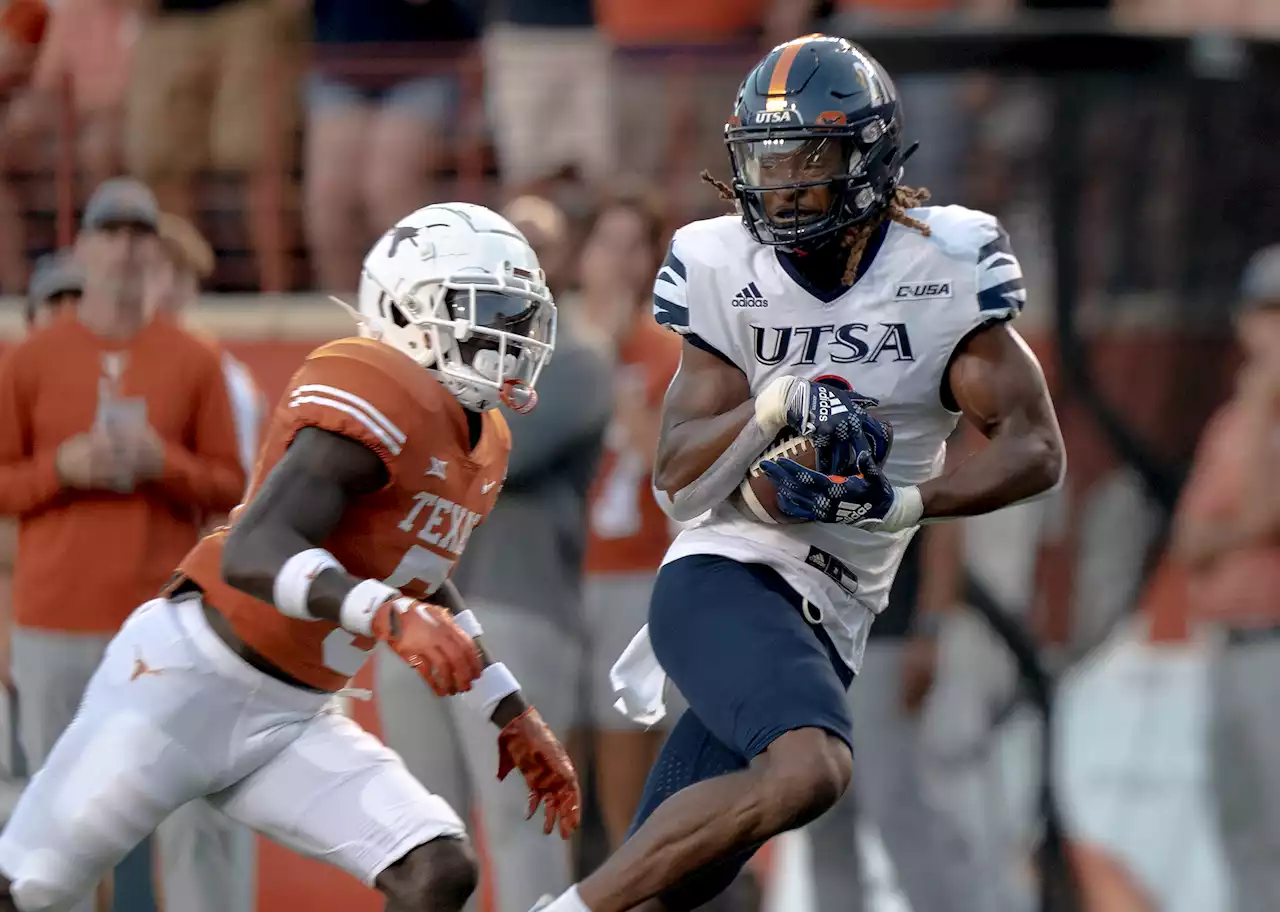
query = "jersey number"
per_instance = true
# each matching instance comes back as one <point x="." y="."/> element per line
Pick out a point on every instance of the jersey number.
<point x="341" y="654"/>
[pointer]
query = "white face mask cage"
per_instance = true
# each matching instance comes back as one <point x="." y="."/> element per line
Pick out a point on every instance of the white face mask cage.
<point x="482" y="357"/>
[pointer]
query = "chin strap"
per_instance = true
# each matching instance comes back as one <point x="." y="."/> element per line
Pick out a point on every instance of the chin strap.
<point x="518" y="396"/>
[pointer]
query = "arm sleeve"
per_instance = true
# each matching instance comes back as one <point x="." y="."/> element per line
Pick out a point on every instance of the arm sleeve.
<point x="209" y="476"/>
<point x="672" y="310"/>
<point x="27" y="481"/>
<point x="574" y="404"/>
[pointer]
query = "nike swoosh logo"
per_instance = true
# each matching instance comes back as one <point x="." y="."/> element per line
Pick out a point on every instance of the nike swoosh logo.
<point x="487" y="487"/>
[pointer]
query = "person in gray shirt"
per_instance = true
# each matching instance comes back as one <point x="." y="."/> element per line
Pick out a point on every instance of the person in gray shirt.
<point x="522" y="573"/>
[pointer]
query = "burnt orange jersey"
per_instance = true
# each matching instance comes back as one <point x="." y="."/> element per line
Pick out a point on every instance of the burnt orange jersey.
<point x="409" y="534"/>
<point x="628" y="532"/>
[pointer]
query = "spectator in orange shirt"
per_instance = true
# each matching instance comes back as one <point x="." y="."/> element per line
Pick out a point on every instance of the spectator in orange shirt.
<point x="115" y="438"/>
<point x="628" y="533"/>
<point x="1227" y="532"/>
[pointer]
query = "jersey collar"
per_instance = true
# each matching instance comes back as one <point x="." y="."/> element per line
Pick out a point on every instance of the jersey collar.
<point x="792" y="265"/>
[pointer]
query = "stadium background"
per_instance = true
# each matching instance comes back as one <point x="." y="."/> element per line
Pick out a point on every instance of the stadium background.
<point x="1130" y="150"/>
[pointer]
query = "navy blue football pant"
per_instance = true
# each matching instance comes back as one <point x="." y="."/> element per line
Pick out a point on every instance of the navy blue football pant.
<point x="732" y="638"/>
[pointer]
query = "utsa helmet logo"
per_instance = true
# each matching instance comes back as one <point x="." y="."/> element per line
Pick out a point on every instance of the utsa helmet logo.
<point x="776" y="117"/>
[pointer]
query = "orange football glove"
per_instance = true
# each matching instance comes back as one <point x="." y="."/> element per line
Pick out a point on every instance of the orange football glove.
<point x="526" y="744"/>
<point x="427" y="637"/>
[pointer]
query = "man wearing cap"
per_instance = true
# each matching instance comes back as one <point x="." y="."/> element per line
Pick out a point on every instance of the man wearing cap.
<point x="56" y="284"/>
<point x="116" y="440"/>
<point x="1227" y="532"/>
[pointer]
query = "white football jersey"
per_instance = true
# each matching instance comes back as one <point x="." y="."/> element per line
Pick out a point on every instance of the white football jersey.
<point x="890" y="337"/>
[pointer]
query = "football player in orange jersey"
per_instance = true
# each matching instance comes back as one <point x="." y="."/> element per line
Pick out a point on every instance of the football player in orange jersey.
<point x="380" y="460"/>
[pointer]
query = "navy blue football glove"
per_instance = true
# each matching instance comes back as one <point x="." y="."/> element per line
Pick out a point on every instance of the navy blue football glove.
<point x="837" y="422"/>
<point x="863" y="500"/>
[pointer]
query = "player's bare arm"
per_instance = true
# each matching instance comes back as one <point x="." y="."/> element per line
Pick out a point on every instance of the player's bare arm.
<point x="1000" y="389"/>
<point x="299" y="505"/>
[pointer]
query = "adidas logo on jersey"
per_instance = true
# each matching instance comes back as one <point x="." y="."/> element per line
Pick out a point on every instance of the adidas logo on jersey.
<point x="750" y="297"/>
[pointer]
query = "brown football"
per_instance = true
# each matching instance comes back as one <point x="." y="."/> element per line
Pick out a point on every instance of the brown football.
<point x="757" y="496"/>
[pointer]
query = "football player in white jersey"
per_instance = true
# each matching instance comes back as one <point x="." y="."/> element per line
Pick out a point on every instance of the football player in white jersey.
<point x="829" y="280"/>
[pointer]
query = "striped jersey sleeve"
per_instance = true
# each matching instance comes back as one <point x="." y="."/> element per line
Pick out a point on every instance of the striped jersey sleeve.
<point x="670" y="293"/>
<point x="338" y="392"/>
<point x="1002" y="292"/>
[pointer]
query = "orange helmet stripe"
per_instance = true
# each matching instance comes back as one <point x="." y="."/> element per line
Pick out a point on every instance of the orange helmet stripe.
<point x="782" y="69"/>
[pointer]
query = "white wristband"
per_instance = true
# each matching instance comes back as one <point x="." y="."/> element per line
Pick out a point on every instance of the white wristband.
<point x="469" y="623"/>
<point x="488" y="690"/>
<point x="292" y="585"/>
<point x="906" y="511"/>
<point x="362" y="603"/>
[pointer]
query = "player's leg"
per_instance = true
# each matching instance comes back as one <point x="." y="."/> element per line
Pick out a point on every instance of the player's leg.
<point x="338" y="794"/>
<point x="763" y="684"/>
<point x="616" y="606"/>
<point x="153" y="732"/>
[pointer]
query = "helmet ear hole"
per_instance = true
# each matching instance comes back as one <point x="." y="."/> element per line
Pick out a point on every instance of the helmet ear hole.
<point x="388" y="308"/>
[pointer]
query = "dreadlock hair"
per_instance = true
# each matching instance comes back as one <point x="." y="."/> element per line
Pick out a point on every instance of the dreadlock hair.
<point x="857" y="237"/>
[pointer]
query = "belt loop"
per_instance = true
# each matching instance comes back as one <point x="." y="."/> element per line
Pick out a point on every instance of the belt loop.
<point x="811" y="612"/>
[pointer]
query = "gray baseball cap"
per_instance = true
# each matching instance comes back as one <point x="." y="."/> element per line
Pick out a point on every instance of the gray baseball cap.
<point x="54" y="274"/>
<point x="1260" y="284"/>
<point x="121" y="200"/>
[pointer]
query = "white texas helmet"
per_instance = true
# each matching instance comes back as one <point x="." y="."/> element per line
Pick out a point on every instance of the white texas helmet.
<point x="456" y="287"/>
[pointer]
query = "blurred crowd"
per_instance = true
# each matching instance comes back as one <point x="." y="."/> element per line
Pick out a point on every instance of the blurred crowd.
<point x="281" y="136"/>
<point x="290" y="130"/>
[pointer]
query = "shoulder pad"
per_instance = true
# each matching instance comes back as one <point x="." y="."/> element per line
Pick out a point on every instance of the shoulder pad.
<point x="974" y="237"/>
<point x="364" y="390"/>
<point x="707" y="244"/>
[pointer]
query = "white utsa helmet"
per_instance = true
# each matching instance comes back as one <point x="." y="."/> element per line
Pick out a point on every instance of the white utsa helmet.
<point x="456" y="287"/>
